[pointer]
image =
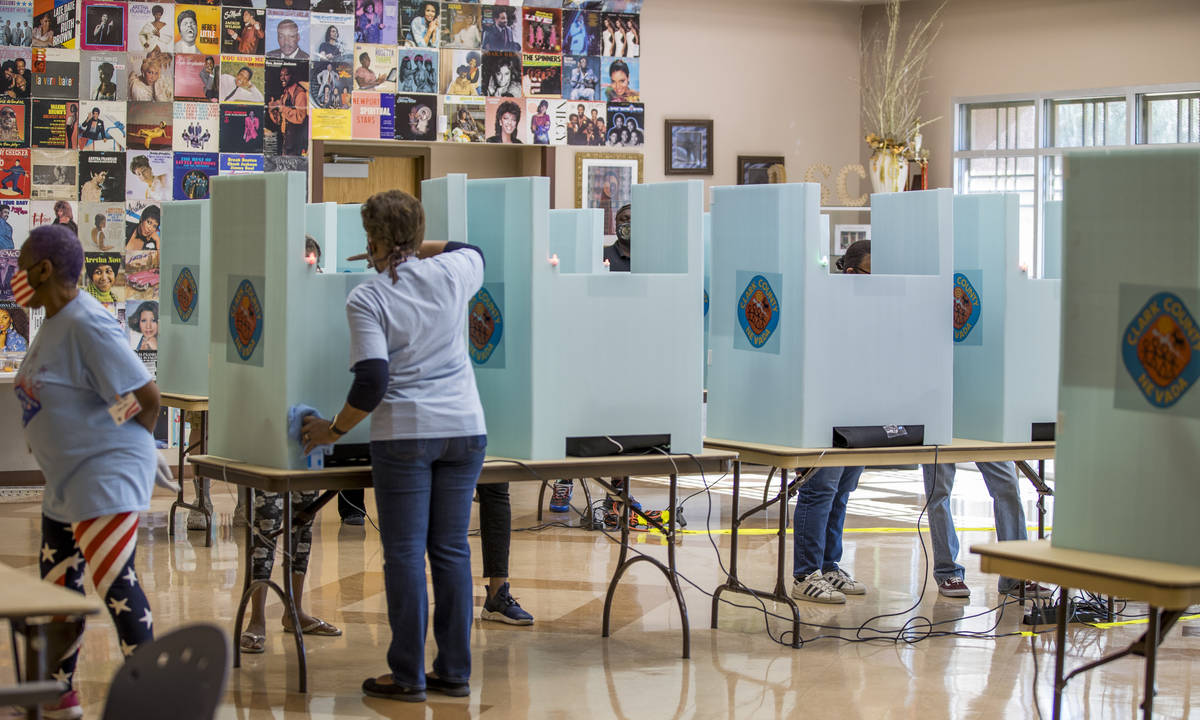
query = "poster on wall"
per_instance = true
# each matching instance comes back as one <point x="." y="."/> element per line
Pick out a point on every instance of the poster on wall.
<point x="581" y="32"/>
<point x="626" y="125"/>
<point x="463" y="119"/>
<point x="460" y="72"/>
<point x="141" y="315"/>
<point x="293" y="5"/>
<point x="376" y="21"/>
<point x="192" y="173"/>
<point x="102" y="76"/>
<point x="54" y="124"/>
<point x="620" y="80"/>
<point x="103" y="25"/>
<point x="14" y="223"/>
<point x="501" y="28"/>
<point x="54" y="174"/>
<point x="243" y="30"/>
<point x="541" y="75"/>
<point x="149" y="175"/>
<point x="143" y="226"/>
<point x="420" y="23"/>
<point x="287" y="35"/>
<point x="590" y="125"/>
<point x="196" y="78"/>
<point x="241" y="164"/>
<point x="16" y="80"/>
<point x="195" y="127"/>
<point x="376" y="68"/>
<point x="416" y="117"/>
<point x="101" y="226"/>
<point x="372" y="116"/>
<point x="101" y="176"/>
<point x="285" y="163"/>
<point x="606" y="183"/>
<point x="331" y="124"/>
<point x="539" y="122"/>
<point x="150" y="126"/>
<point x="104" y="278"/>
<point x="580" y="77"/>
<point x="241" y="129"/>
<point x="150" y="27"/>
<point x="461" y="26"/>
<point x="14" y="123"/>
<point x="102" y="127"/>
<point x="285" y="124"/>
<point x="542" y="30"/>
<point x="418" y="71"/>
<point x="15" y="174"/>
<point x="242" y="79"/>
<point x="151" y="77"/>
<point x="331" y="85"/>
<point x="56" y="73"/>
<point x="331" y="37"/>
<point x="504" y="121"/>
<point x="197" y="29"/>
<point x="53" y="24"/>
<point x="141" y="281"/>
<point x="16" y="21"/>
<point x="621" y="35"/>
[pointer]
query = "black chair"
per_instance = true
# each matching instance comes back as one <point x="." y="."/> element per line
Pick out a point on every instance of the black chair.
<point x="180" y="676"/>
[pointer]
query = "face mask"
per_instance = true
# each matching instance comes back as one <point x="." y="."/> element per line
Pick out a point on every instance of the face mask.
<point x="623" y="232"/>
<point x="22" y="290"/>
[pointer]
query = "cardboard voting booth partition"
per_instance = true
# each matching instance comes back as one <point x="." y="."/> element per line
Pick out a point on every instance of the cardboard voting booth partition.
<point x="797" y="351"/>
<point x="279" y="336"/>
<point x="1006" y="327"/>
<point x="570" y="350"/>
<point x="185" y="315"/>
<point x="1129" y="429"/>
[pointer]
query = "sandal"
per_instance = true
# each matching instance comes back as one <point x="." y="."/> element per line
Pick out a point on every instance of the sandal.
<point x="317" y="627"/>
<point x="253" y="643"/>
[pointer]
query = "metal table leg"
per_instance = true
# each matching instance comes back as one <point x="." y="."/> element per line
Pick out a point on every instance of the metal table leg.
<point x="1060" y="651"/>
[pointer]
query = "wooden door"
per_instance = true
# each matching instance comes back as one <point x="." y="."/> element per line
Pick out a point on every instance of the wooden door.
<point x="384" y="173"/>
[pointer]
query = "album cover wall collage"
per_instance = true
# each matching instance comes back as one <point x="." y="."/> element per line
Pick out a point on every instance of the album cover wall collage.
<point x="108" y="108"/>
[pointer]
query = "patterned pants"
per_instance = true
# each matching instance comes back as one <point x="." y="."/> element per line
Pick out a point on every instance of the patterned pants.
<point x="105" y="544"/>
<point x="268" y="518"/>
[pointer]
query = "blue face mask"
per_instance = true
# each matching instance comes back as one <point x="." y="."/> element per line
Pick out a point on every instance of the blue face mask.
<point x="623" y="232"/>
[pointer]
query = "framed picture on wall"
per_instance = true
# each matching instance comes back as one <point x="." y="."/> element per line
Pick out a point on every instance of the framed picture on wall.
<point x="846" y="235"/>
<point x="761" y="169"/>
<point x="605" y="181"/>
<point x="689" y="148"/>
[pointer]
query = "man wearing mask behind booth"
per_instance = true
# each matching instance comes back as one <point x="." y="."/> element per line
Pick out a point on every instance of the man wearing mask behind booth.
<point x="617" y="254"/>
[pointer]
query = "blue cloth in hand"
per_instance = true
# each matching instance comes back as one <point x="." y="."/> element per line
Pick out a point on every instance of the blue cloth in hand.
<point x="296" y="415"/>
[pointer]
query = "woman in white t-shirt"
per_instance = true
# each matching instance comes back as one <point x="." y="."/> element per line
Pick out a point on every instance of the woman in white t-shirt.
<point x="88" y="407"/>
<point x="412" y="373"/>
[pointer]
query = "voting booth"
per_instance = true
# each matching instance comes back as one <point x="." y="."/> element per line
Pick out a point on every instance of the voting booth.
<point x="1006" y="328"/>
<point x="279" y="336"/>
<point x="1129" y="429"/>
<point x="185" y="310"/>
<point x="563" y="349"/>
<point x="798" y="351"/>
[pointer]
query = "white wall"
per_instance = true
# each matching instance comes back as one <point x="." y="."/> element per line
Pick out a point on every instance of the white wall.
<point x="778" y="77"/>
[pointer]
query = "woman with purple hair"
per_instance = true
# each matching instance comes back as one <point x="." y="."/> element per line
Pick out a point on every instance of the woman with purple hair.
<point x="80" y="373"/>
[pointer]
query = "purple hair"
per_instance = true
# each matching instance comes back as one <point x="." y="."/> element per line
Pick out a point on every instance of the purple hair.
<point x="56" y="243"/>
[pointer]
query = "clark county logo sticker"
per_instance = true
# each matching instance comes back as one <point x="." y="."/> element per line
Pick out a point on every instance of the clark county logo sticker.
<point x="486" y="326"/>
<point x="245" y="320"/>
<point x="1161" y="350"/>
<point x="966" y="307"/>
<point x="185" y="294"/>
<point x="758" y="311"/>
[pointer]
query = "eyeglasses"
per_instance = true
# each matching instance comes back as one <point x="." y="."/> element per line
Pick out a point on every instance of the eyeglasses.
<point x="6" y="112"/>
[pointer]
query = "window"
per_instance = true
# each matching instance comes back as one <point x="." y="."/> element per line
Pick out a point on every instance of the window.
<point x="1016" y="144"/>
<point x="1170" y="118"/>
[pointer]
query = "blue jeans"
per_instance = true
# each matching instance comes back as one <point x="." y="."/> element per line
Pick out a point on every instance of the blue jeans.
<point x="423" y="491"/>
<point x="820" y="517"/>
<point x="1001" y="481"/>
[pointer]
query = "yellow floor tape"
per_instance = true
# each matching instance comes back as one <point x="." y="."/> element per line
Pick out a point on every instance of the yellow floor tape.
<point x="1143" y="621"/>
<point x="775" y="531"/>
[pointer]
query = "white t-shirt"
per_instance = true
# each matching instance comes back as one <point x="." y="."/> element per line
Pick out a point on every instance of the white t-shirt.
<point x="418" y="324"/>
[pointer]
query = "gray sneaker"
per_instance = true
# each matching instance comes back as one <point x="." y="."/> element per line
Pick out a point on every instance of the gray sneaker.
<point x="841" y="580"/>
<point x="196" y="520"/>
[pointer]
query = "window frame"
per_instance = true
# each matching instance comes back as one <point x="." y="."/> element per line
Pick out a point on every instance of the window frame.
<point x="1043" y="153"/>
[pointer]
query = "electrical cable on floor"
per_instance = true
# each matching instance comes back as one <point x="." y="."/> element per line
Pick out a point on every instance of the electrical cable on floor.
<point x="1037" y="706"/>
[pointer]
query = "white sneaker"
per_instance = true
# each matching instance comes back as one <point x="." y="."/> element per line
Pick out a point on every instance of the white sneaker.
<point x="841" y="580"/>
<point x="815" y="588"/>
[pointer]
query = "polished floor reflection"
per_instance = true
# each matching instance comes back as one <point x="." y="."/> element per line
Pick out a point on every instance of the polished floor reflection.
<point x="561" y="667"/>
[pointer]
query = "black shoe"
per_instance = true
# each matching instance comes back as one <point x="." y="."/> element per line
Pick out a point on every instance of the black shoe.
<point x="391" y="691"/>
<point x="445" y="687"/>
<point x="354" y="519"/>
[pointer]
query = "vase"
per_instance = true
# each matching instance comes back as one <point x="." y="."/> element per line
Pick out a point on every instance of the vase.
<point x="889" y="171"/>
